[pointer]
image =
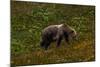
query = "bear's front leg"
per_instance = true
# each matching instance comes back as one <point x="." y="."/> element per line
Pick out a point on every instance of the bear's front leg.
<point x="59" y="41"/>
<point x="67" y="40"/>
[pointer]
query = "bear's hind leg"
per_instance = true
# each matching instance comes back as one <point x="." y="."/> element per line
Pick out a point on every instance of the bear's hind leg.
<point x="47" y="45"/>
<point x="42" y="43"/>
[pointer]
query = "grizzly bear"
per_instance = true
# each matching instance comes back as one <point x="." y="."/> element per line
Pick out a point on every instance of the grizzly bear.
<point x="56" y="33"/>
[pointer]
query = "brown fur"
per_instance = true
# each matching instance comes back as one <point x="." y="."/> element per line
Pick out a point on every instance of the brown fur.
<point x="56" y="33"/>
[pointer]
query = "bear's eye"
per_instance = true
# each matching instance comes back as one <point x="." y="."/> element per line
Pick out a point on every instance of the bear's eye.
<point x="72" y="32"/>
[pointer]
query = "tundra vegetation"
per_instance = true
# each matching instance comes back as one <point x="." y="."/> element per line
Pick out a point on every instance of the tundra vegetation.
<point x="28" y="19"/>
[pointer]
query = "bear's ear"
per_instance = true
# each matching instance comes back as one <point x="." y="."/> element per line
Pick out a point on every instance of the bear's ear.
<point x="64" y="25"/>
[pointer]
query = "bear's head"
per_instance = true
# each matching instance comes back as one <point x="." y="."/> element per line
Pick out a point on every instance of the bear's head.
<point x="69" y="32"/>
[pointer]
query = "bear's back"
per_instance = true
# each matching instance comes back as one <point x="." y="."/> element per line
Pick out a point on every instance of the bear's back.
<point x="51" y="31"/>
<point x="52" y="28"/>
